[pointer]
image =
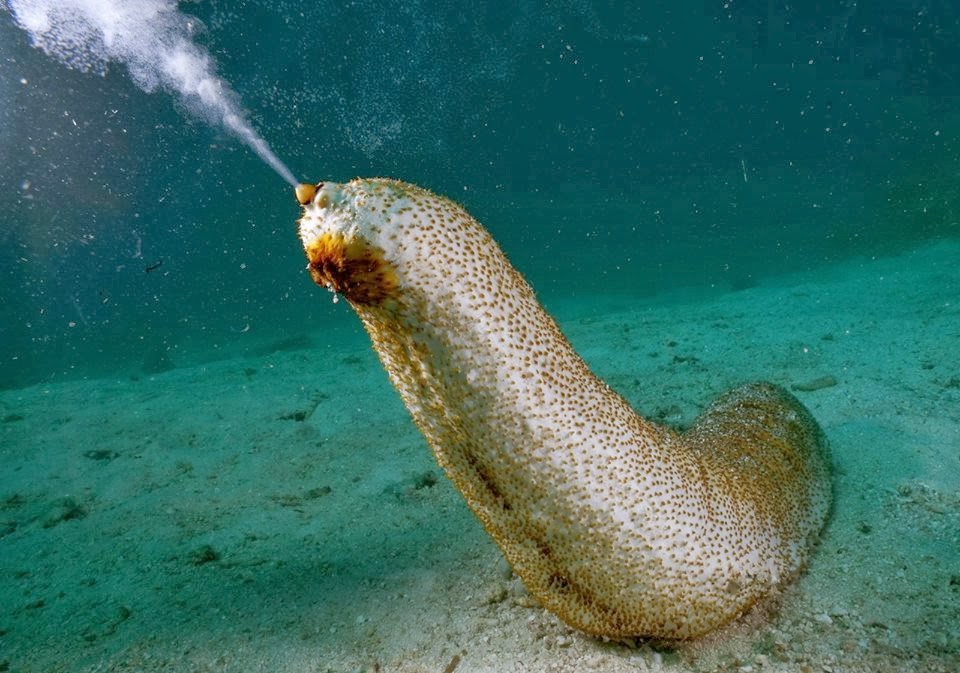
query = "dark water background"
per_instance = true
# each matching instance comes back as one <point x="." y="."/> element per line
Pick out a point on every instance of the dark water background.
<point x="612" y="149"/>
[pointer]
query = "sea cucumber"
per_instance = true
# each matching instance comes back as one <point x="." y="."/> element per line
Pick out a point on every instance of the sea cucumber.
<point x="618" y="525"/>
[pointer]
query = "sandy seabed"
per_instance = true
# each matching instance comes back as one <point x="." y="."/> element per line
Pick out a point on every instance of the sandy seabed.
<point x="281" y="512"/>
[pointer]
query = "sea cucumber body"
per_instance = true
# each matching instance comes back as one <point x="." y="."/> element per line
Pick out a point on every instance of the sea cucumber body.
<point x="619" y="526"/>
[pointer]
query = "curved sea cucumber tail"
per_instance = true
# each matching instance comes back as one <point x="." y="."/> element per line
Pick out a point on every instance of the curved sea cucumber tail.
<point x="762" y="443"/>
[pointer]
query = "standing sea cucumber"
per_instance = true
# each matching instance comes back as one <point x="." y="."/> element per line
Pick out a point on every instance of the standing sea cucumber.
<point x="619" y="526"/>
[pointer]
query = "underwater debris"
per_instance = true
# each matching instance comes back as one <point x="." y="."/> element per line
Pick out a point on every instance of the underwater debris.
<point x="815" y="384"/>
<point x="203" y="555"/>
<point x="67" y="509"/>
<point x="452" y="666"/>
<point x="306" y="412"/>
<point x="101" y="454"/>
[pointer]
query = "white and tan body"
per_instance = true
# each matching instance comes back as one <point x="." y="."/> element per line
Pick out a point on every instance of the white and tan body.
<point x="619" y="526"/>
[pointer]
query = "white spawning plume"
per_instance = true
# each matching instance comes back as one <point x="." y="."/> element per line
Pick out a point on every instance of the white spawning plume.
<point x="154" y="41"/>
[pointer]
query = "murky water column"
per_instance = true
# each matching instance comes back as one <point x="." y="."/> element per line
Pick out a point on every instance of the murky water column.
<point x="155" y="42"/>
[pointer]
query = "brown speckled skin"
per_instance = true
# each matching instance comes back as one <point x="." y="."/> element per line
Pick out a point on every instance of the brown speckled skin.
<point x="619" y="526"/>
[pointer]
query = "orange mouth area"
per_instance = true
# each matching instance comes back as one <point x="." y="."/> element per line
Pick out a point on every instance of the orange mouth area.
<point x="357" y="271"/>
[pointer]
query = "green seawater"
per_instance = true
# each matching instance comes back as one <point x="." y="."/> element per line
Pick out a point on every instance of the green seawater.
<point x="612" y="149"/>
